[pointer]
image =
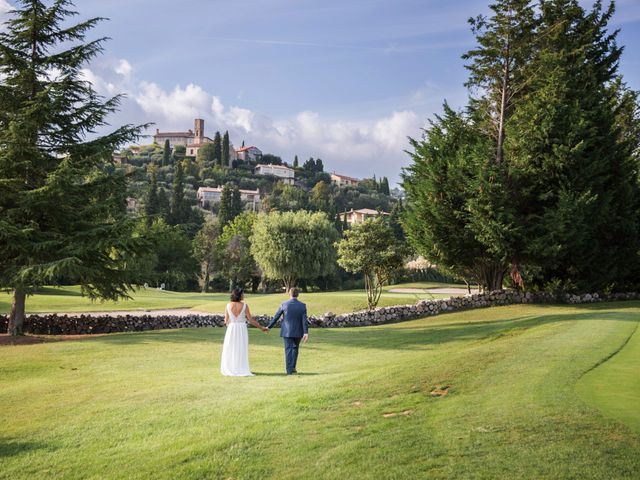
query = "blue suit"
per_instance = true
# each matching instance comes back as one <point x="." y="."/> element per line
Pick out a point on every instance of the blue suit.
<point x="294" y="325"/>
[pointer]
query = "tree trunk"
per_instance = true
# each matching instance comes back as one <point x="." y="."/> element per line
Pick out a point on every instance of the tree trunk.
<point x="502" y="109"/>
<point x="491" y="276"/>
<point x="16" y="317"/>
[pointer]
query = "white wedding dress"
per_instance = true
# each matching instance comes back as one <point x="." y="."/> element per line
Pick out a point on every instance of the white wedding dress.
<point x="235" y="351"/>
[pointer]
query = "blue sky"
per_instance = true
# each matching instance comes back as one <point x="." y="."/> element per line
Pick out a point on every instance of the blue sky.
<point x="343" y="80"/>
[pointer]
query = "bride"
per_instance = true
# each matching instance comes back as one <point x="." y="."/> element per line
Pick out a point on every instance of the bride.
<point x="235" y="351"/>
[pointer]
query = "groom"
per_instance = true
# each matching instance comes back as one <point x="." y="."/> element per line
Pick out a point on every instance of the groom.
<point x="294" y="327"/>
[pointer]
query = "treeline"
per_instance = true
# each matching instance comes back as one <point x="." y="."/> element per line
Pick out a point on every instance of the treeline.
<point x="536" y="179"/>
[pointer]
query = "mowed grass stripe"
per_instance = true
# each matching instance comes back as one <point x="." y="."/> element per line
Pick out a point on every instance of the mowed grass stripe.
<point x="152" y="405"/>
<point x="614" y="386"/>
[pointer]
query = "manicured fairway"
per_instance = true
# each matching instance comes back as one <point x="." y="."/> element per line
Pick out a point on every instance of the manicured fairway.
<point x="614" y="386"/>
<point x="153" y="405"/>
<point x="69" y="299"/>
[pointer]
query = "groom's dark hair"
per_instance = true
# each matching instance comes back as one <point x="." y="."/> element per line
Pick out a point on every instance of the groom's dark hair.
<point x="294" y="292"/>
<point x="236" y="294"/>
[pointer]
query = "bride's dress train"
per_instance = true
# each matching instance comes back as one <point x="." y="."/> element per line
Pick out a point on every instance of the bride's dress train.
<point x="235" y="351"/>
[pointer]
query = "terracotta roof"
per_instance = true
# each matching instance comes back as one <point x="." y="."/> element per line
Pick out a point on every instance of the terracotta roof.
<point x="242" y="149"/>
<point x="345" y="177"/>
<point x="174" y="134"/>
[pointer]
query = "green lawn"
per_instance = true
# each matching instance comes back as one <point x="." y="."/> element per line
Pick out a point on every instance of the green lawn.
<point x="153" y="405"/>
<point x="69" y="299"/>
<point x="614" y="386"/>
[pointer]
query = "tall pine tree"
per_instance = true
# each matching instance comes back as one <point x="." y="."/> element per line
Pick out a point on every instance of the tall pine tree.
<point x="62" y="210"/>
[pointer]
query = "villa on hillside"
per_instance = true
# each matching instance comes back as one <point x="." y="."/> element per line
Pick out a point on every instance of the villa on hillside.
<point x="249" y="154"/>
<point x="286" y="174"/>
<point x="214" y="194"/>
<point x="359" y="216"/>
<point x="183" y="138"/>
<point x="343" y="180"/>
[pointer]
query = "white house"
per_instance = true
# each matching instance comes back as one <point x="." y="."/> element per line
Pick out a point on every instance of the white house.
<point x="249" y="154"/>
<point x="286" y="174"/>
<point x="342" y="180"/>
<point x="359" y="216"/>
<point x="213" y="195"/>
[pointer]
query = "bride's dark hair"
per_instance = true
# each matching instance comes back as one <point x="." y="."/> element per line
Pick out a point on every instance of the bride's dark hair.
<point x="236" y="294"/>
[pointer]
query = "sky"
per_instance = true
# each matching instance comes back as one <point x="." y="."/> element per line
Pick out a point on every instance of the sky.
<point x="343" y="80"/>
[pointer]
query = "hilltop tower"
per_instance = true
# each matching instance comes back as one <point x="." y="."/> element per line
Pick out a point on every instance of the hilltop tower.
<point x="199" y="131"/>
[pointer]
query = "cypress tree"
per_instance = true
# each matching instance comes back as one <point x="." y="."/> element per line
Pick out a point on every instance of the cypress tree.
<point x="217" y="148"/>
<point x="578" y="222"/>
<point x="177" y="196"/>
<point x="296" y="163"/>
<point x="62" y="209"/>
<point x="225" y="150"/>
<point x="384" y="186"/>
<point x="151" y="207"/>
<point x="166" y="153"/>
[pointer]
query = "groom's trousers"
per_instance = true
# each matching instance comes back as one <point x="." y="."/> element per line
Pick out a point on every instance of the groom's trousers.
<point x="291" y="345"/>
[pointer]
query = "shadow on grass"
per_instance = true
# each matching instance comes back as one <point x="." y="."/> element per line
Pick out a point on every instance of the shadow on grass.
<point x="275" y="374"/>
<point x="10" y="447"/>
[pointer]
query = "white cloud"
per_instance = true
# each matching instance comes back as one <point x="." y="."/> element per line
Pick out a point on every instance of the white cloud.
<point x="353" y="147"/>
<point x="5" y="8"/>
<point x="124" y="68"/>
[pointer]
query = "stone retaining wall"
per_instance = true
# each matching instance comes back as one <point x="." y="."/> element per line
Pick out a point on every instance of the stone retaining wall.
<point x="85" y="324"/>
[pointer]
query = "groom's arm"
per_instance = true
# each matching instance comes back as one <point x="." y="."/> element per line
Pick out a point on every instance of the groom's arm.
<point x="275" y="317"/>
<point x="305" y="321"/>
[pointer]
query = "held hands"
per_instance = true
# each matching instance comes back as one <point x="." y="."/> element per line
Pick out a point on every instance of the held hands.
<point x="264" y="329"/>
<point x="305" y="338"/>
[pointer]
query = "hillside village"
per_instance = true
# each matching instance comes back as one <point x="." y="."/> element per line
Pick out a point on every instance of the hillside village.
<point x="265" y="181"/>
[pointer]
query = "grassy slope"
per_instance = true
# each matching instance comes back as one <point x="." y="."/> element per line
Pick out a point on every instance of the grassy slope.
<point x="153" y="405"/>
<point x="614" y="386"/>
<point x="69" y="299"/>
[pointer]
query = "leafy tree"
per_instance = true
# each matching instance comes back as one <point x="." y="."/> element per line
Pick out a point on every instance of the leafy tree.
<point x="270" y="159"/>
<point x="499" y="70"/>
<point x="226" y="155"/>
<point x="170" y="260"/>
<point x="319" y="166"/>
<point x="230" y="204"/>
<point x="289" y="246"/>
<point x="234" y="251"/>
<point x="151" y="206"/>
<point x="205" y="155"/>
<point x="179" y="152"/>
<point x="439" y="185"/>
<point x="371" y="249"/>
<point x="577" y="210"/>
<point x="320" y="198"/>
<point x="285" y="198"/>
<point x="539" y="172"/>
<point x="217" y="149"/>
<point x="309" y="165"/>
<point x="62" y="208"/>
<point x="166" y="153"/>
<point x="204" y="251"/>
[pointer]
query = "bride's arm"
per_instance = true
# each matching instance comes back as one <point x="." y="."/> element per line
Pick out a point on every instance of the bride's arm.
<point x="226" y="316"/>
<point x="252" y="321"/>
